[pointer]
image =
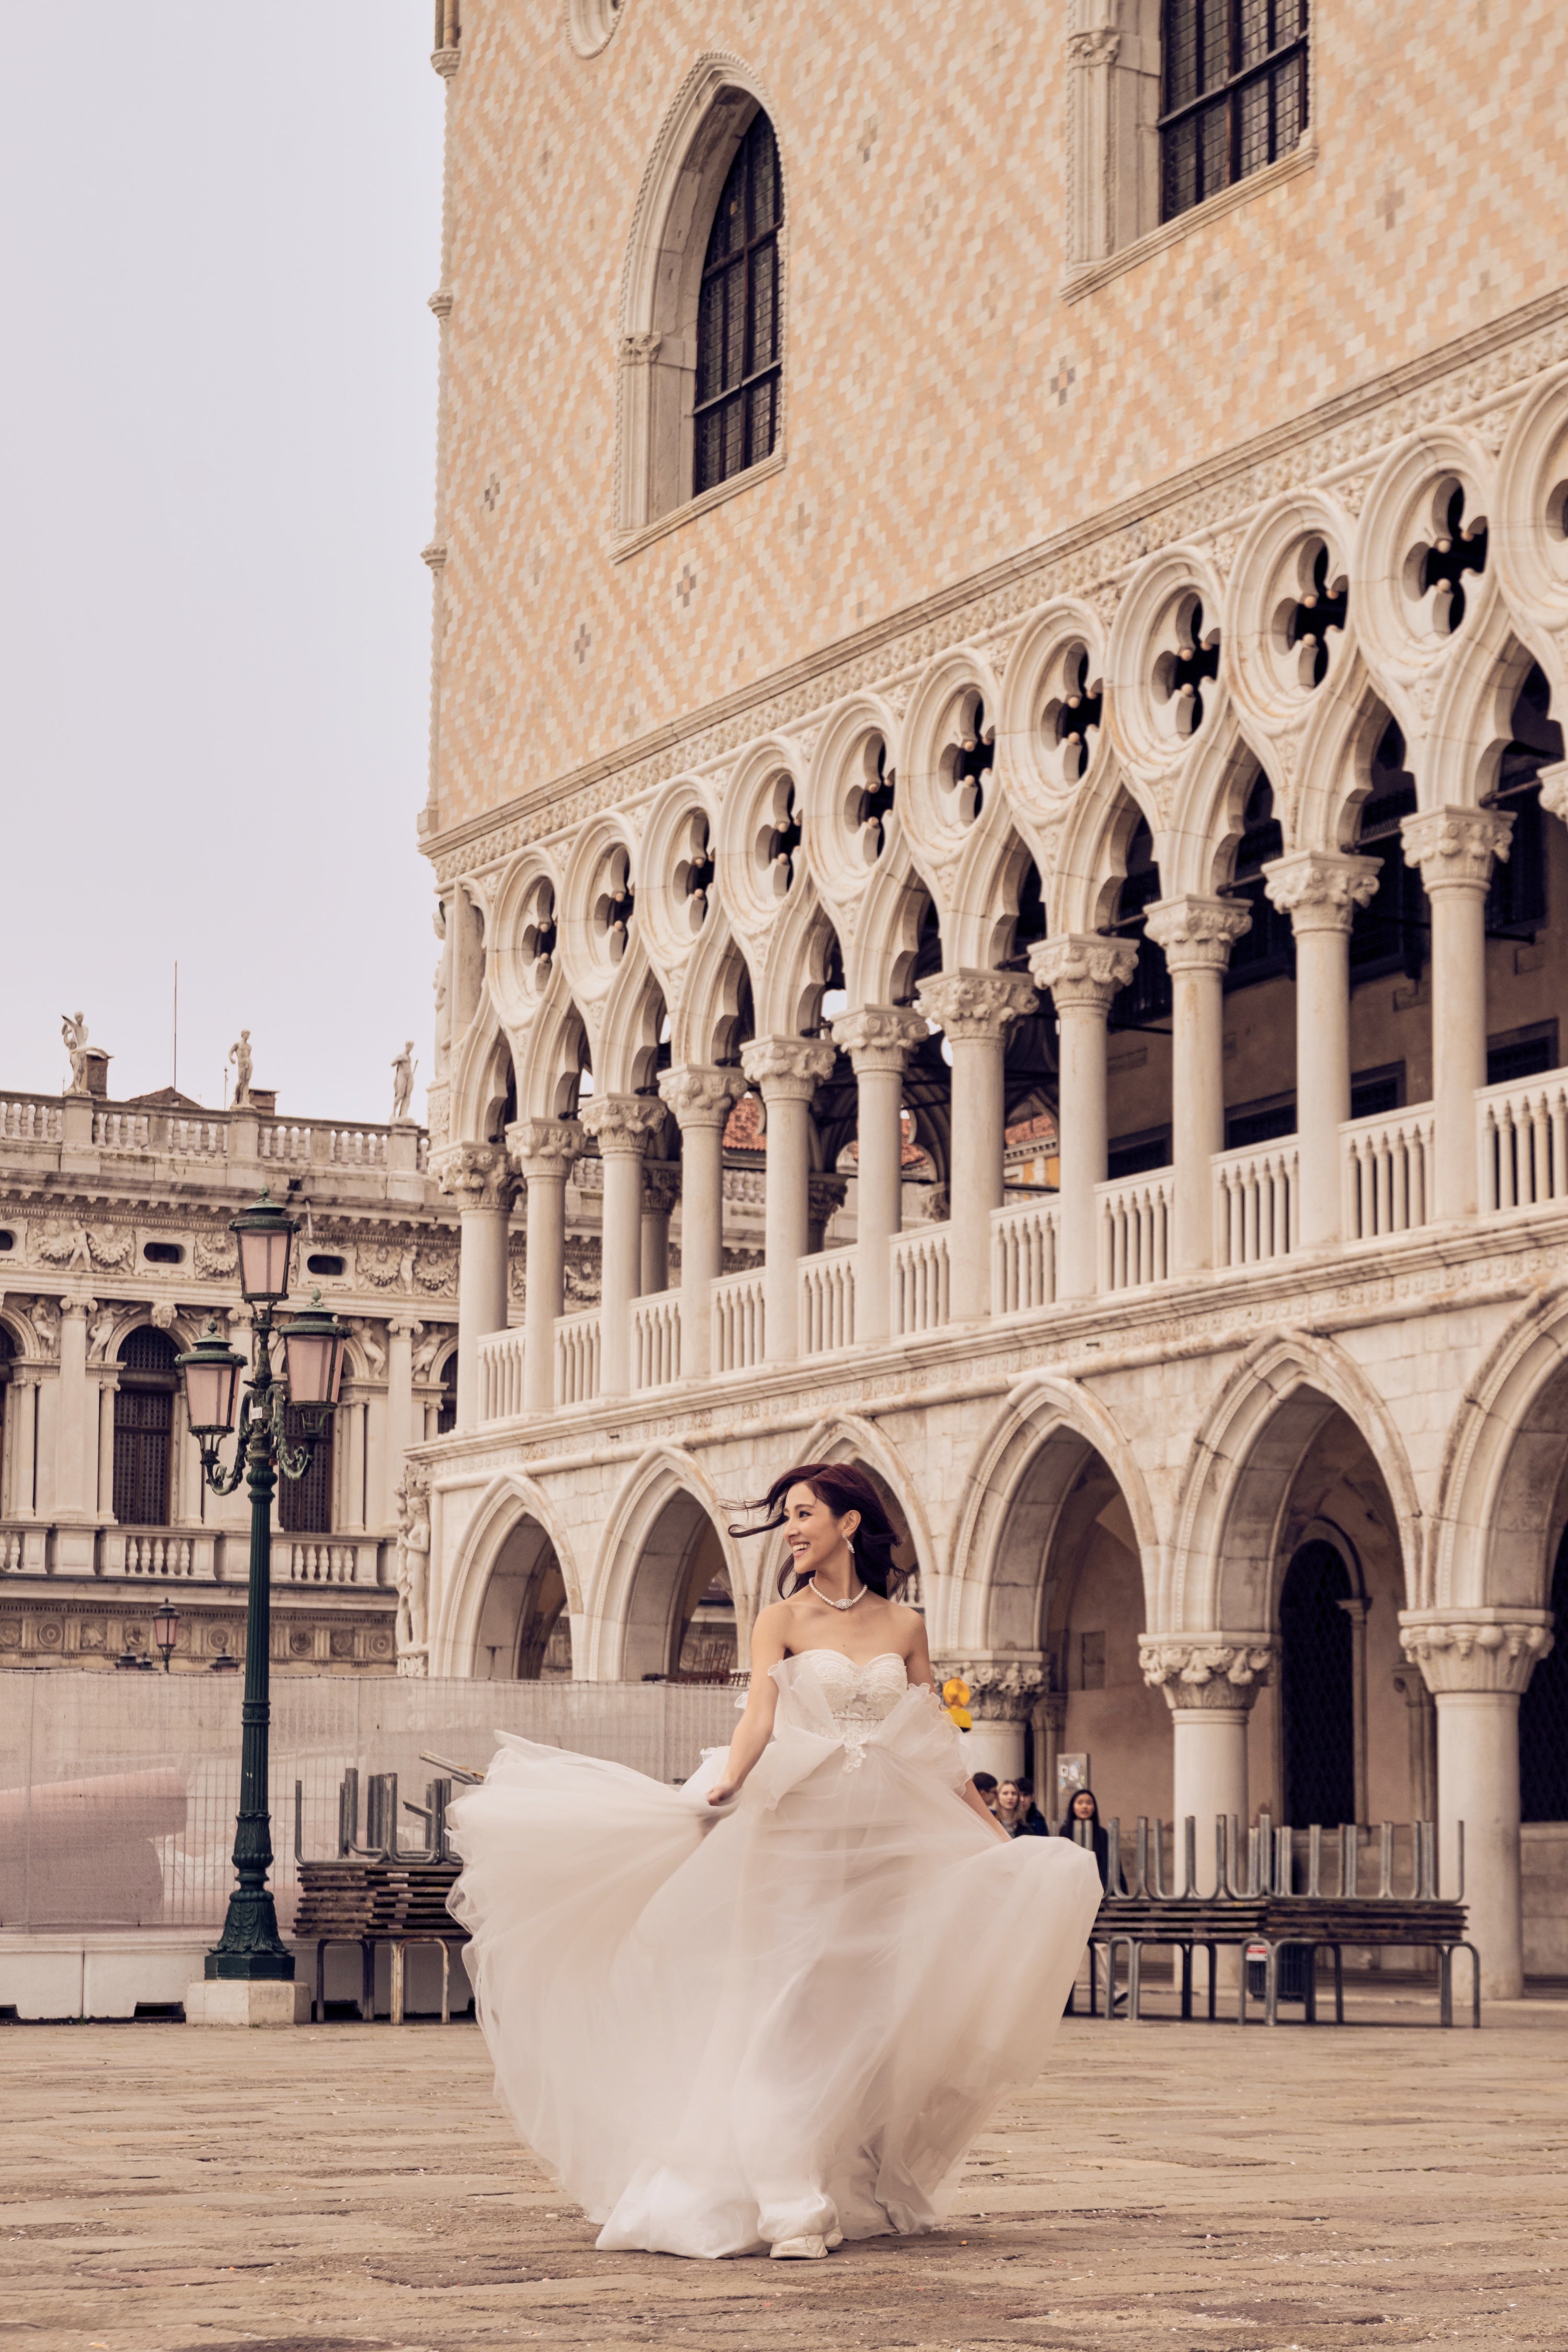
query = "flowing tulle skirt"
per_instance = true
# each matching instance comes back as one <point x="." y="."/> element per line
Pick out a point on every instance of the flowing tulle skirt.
<point x="722" y="2029"/>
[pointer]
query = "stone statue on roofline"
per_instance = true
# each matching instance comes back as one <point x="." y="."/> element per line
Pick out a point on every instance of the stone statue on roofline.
<point x="239" y="1054"/>
<point x="73" y="1029"/>
<point x="402" y="1069"/>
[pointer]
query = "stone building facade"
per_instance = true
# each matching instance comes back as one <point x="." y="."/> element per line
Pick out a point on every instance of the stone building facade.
<point x="999" y="576"/>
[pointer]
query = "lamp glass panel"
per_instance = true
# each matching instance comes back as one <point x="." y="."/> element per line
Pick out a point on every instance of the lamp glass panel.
<point x="310" y="1358"/>
<point x="209" y="1397"/>
<point x="264" y="1261"/>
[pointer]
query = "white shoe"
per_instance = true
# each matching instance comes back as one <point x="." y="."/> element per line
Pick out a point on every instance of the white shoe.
<point x="802" y="2250"/>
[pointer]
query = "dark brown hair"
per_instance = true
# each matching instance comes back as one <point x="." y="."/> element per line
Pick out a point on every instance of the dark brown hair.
<point x="843" y="1488"/>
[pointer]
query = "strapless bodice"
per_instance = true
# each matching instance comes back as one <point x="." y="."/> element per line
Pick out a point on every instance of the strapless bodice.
<point x="858" y="1697"/>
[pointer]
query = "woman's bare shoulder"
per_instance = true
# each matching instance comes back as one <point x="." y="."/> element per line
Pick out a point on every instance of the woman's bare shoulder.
<point x="910" y="1622"/>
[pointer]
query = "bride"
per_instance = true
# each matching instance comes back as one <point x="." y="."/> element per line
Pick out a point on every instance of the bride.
<point x="773" y="2007"/>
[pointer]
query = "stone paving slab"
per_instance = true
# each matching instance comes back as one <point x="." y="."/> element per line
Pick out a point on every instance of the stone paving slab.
<point x="1190" y="2186"/>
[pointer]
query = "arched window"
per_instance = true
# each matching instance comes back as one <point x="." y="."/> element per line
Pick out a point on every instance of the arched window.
<point x="1317" y="1688"/>
<point x="143" y="1428"/>
<point x="305" y="1504"/>
<point x="1234" y="93"/>
<point x="446" y="1412"/>
<point x="1544" y="1718"/>
<point x="7" y="1350"/>
<point x="736" y="410"/>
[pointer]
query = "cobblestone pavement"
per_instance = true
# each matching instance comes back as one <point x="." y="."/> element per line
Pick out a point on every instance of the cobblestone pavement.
<point x="163" y="2187"/>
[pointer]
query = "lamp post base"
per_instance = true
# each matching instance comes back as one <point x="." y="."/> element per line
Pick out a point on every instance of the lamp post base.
<point x="247" y="2000"/>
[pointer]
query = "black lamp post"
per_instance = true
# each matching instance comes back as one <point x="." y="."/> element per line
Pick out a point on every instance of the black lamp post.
<point x="166" y="1632"/>
<point x="250" y="1946"/>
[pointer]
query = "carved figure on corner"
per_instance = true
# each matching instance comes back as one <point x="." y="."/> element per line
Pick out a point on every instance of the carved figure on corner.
<point x="239" y="1054"/>
<point x="413" y="1576"/>
<point x="73" y="1029"/>
<point x="402" y="1069"/>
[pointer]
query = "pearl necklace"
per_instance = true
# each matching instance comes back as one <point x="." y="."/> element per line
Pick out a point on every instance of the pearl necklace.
<point x="839" y="1604"/>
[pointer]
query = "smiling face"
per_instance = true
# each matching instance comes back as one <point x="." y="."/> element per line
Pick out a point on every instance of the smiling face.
<point x="816" y="1539"/>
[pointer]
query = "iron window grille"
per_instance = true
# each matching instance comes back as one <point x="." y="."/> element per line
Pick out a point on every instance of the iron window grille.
<point x="305" y="1504"/>
<point x="736" y="413"/>
<point x="143" y="1428"/>
<point x="1233" y="94"/>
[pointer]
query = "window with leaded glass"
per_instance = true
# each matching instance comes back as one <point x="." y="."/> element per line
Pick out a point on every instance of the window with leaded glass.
<point x="1234" y="93"/>
<point x="736" y="415"/>
<point x="143" y="1428"/>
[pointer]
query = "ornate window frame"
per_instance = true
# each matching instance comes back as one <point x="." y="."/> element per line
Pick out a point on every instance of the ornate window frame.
<point x="660" y="285"/>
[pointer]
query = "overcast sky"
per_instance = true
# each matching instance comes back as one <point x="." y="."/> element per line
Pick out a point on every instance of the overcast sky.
<point x="221" y="223"/>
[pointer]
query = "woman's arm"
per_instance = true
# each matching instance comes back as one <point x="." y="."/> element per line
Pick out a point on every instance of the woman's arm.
<point x="755" y="1728"/>
<point x="918" y="1667"/>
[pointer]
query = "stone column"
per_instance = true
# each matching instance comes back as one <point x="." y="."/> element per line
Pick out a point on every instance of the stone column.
<point x="879" y="1040"/>
<point x="1002" y="1695"/>
<point x="107" y="1390"/>
<point x="1421" y="1718"/>
<point x="1209" y="1682"/>
<point x="700" y="1096"/>
<point x="623" y="1123"/>
<point x="660" y="1190"/>
<point x="76" y="1445"/>
<point x="787" y="1071"/>
<point x="1084" y="973"/>
<point x="543" y="1151"/>
<point x="21" y="1449"/>
<point x="400" y="1333"/>
<point x="1197" y="935"/>
<point x="1321" y="890"/>
<point x="1455" y="847"/>
<point x="975" y="1010"/>
<point x="478" y="1176"/>
<point x="1477" y="1663"/>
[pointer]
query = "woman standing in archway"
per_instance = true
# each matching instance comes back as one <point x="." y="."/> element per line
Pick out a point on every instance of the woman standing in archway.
<point x="772" y="2009"/>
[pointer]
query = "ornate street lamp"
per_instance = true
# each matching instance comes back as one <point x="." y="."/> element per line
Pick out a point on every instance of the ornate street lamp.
<point x="250" y="1946"/>
<point x="166" y="1632"/>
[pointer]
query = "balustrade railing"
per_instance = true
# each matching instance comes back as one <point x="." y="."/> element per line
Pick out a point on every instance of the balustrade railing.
<point x="577" y="1356"/>
<point x="30" y="1119"/>
<point x="739" y="1320"/>
<point x="158" y="1555"/>
<point x="1024" y="1257"/>
<point x="921" y="1266"/>
<point x="1522" y="1138"/>
<point x="10" y="1549"/>
<point x="358" y="1147"/>
<point x="197" y="1139"/>
<point x="1134" y="1221"/>
<point x="121" y="1130"/>
<point x="317" y="1562"/>
<point x="826" y="1307"/>
<point x="656" y="1339"/>
<point x="283" y="1142"/>
<point x="500" y="1375"/>
<point x="1387" y="1169"/>
<point x="1257" y="1203"/>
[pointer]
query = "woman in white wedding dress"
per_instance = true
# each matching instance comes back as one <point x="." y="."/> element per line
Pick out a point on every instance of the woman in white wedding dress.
<point x="771" y="2009"/>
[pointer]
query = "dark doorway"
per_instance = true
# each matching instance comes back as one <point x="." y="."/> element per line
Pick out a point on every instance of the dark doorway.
<point x="1543" y="1717"/>
<point x="143" y="1428"/>
<point x="305" y="1504"/>
<point x="1317" y="1688"/>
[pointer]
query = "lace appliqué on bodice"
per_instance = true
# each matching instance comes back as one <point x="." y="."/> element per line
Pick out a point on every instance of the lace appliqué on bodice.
<point x="859" y="1696"/>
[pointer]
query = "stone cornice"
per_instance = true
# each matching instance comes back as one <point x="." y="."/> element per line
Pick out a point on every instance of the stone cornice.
<point x="1344" y="436"/>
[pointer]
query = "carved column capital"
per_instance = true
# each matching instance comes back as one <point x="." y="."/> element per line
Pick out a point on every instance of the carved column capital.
<point x="699" y="1094"/>
<point x="1197" y="933"/>
<point x="1083" y="969"/>
<point x="826" y="1192"/>
<point x="1099" y="46"/>
<point x="440" y="302"/>
<point x="879" y="1037"/>
<point x="1001" y="1690"/>
<point x="640" y="349"/>
<point x="787" y="1069"/>
<point x="543" y="1149"/>
<point x="621" y="1123"/>
<point x="661" y="1186"/>
<point x="1475" y="1649"/>
<point x="1454" y="848"/>
<point x="1321" y="890"/>
<point x="446" y="62"/>
<point x="970" y="1006"/>
<point x="1211" y="1673"/>
<point x="477" y="1175"/>
<point x="1554" y="790"/>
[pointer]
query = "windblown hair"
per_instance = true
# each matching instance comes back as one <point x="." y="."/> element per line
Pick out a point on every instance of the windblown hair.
<point x="843" y="1488"/>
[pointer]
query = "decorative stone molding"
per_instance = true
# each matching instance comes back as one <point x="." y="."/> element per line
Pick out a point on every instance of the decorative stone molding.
<point x="1455" y="847"/>
<point x="621" y="1124"/>
<point x="1197" y="934"/>
<point x="1476" y="1649"/>
<point x="968" y="1006"/>
<point x="1001" y="1690"/>
<point x="1101" y="46"/>
<point x="440" y="302"/>
<point x="787" y="1069"/>
<point x="435" y="555"/>
<point x="826" y="1193"/>
<point x="544" y="1149"/>
<point x="446" y="62"/>
<point x="699" y="1094"/>
<point x="476" y="1174"/>
<point x="878" y="1037"/>
<point x="1554" y="790"/>
<point x="1213" y="1672"/>
<point x="1321" y="890"/>
<point x="639" y="351"/>
<point x="1083" y="969"/>
<point x="661" y="1186"/>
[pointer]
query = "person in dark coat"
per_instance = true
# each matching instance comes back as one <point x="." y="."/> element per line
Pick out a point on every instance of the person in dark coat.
<point x="1084" y="1808"/>
<point x="1016" y="1809"/>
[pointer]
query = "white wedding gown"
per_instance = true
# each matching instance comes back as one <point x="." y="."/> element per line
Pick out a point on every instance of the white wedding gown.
<point x="723" y="2027"/>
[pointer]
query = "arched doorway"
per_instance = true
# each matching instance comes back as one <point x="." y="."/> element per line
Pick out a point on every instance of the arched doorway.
<point x="1317" y="1688"/>
<point x="681" y="1616"/>
<point x="1543" y="1716"/>
<point x="144" y="1427"/>
<point x="524" y="1633"/>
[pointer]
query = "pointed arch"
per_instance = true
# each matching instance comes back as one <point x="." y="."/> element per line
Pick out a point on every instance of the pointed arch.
<point x="1504" y="1485"/>
<point x="648" y="1543"/>
<point x="507" y="1503"/>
